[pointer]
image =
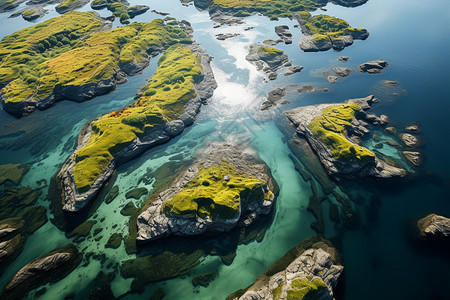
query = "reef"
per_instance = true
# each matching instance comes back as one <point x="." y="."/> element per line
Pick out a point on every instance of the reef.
<point x="72" y="57"/>
<point x="329" y="129"/>
<point x="310" y="270"/>
<point x="12" y="173"/>
<point x="267" y="59"/>
<point x="324" y="32"/>
<point x="227" y="185"/>
<point x="51" y="267"/>
<point x="164" y="107"/>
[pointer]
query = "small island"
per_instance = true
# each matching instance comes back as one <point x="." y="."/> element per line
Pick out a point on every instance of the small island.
<point x="324" y="32"/>
<point x="226" y="186"/>
<point x="327" y="128"/>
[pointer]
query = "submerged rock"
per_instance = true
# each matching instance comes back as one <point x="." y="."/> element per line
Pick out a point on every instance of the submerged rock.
<point x="373" y="67"/>
<point x="434" y="226"/>
<point x="48" y="268"/>
<point x="293" y="70"/>
<point x="343" y="58"/>
<point x="324" y="126"/>
<point x="310" y="270"/>
<point x="12" y="173"/>
<point x="227" y="185"/>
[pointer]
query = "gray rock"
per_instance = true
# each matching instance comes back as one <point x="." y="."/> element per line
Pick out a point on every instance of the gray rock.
<point x="414" y="157"/>
<point x="343" y="58"/>
<point x="413" y="128"/>
<point x="390" y="83"/>
<point x="434" y="226"/>
<point x="37" y="12"/>
<point x="410" y="140"/>
<point x="137" y="10"/>
<point x="373" y="67"/>
<point x="342" y="72"/>
<point x="309" y="44"/>
<point x="391" y="130"/>
<point x="293" y="70"/>
<point x="332" y="79"/>
<point x="283" y="32"/>
<point x="272" y="42"/>
<point x="222" y="36"/>
<point x="273" y="97"/>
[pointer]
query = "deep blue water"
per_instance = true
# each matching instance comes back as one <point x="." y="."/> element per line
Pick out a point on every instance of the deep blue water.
<point x="380" y="262"/>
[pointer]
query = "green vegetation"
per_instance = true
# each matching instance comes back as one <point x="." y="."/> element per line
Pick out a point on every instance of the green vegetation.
<point x="68" y="5"/>
<point x="26" y="55"/>
<point x="306" y="289"/>
<point x="28" y="12"/>
<point x="82" y="230"/>
<point x="268" y="52"/>
<point x="12" y="173"/>
<point x="273" y="9"/>
<point x="325" y="27"/>
<point x="330" y="126"/>
<point x="120" y="11"/>
<point x="276" y="292"/>
<point x="136" y="193"/>
<point x="63" y="52"/>
<point x="164" y="99"/>
<point x="114" y="241"/>
<point x="210" y="195"/>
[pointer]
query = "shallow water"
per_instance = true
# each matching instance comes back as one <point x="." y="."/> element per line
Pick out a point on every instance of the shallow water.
<point x="379" y="260"/>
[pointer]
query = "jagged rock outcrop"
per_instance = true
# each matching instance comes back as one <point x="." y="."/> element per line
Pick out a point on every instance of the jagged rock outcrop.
<point x="226" y="186"/>
<point x="373" y="67"/>
<point x="312" y="274"/>
<point x="74" y="200"/>
<point x="339" y="164"/>
<point x="273" y="97"/>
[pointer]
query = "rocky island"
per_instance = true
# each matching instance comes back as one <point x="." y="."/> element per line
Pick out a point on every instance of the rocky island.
<point x="267" y="59"/>
<point x="327" y="128"/>
<point x="164" y="107"/>
<point x="310" y="270"/>
<point x="74" y="58"/>
<point x="323" y="32"/>
<point x="227" y="185"/>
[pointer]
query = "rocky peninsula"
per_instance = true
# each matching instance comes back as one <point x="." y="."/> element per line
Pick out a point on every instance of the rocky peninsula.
<point x="75" y="57"/>
<point x="164" y="107"/>
<point x="434" y="226"/>
<point x="226" y="186"/>
<point x="310" y="270"/>
<point x="329" y="129"/>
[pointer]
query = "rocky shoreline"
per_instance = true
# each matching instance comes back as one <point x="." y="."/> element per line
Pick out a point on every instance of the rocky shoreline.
<point x="350" y="168"/>
<point x="75" y="201"/>
<point x="162" y="218"/>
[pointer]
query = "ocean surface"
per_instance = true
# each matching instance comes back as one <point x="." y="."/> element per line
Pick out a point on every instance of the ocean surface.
<point x="380" y="260"/>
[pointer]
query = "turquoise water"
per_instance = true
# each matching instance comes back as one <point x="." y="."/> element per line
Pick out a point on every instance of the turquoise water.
<point x="379" y="261"/>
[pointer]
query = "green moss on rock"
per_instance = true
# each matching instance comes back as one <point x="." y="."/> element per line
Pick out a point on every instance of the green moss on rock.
<point x="306" y="289"/>
<point x="330" y="128"/>
<point x="210" y="195"/>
